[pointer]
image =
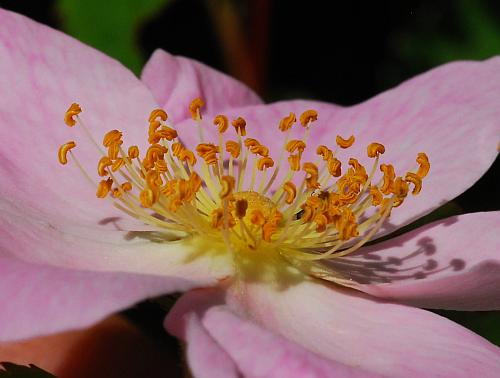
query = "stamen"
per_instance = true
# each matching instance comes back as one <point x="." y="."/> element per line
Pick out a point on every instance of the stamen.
<point x="308" y="117"/>
<point x="287" y="122"/>
<point x="240" y="126"/>
<point x="62" y="154"/>
<point x="345" y="143"/>
<point x="194" y="108"/>
<point x="71" y="113"/>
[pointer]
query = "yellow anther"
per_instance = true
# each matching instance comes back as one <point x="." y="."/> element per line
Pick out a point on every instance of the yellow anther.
<point x="241" y="207"/>
<point x="424" y="165"/>
<point x="221" y="122"/>
<point x="227" y="184"/>
<point x="117" y="164"/>
<point x="239" y="125"/>
<point x="126" y="186"/>
<point x="291" y="192"/>
<point x="264" y="163"/>
<point x="308" y="117"/>
<point x="116" y="193"/>
<point x="194" y="108"/>
<point x="324" y="152"/>
<point x="104" y="188"/>
<point x="345" y="143"/>
<point x="62" y="154"/>
<point x="257" y="217"/>
<point x="146" y="197"/>
<point x="294" y="161"/>
<point x="376" y="195"/>
<point x="312" y="175"/>
<point x="111" y="137"/>
<point x="295" y="145"/>
<point x="375" y="149"/>
<point x="233" y="148"/>
<point x="157" y="113"/>
<point x="415" y="180"/>
<point x="287" y="122"/>
<point x="321" y="222"/>
<point x="389" y="176"/>
<point x="72" y="112"/>
<point x="334" y="167"/>
<point x="133" y="152"/>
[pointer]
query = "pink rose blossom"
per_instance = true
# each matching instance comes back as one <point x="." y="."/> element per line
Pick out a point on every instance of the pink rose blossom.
<point x="68" y="259"/>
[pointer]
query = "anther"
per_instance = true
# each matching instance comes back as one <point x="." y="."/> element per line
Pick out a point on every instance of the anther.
<point x="295" y="145"/>
<point x="157" y="113"/>
<point x="241" y="207"/>
<point x="376" y="195"/>
<point x="375" y="149"/>
<point x="264" y="163"/>
<point x="424" y="165"/>
<point x="221" y="122"/>
<point x="416" y="180"/>
<point x="294" y="161"/>
<point x="194" y="108"/>
<point x="103" y="163"/>
<point x="308" y="117"/>
<point x="239" y="125"/>
<point x="334" y="167"/>
<point x="111" y="137"/>
<point x="287" y="122"/>
<point x="126" y="186"/>
<point x="291" y="192"/>
<point x="71" y="113"/>
<point x="104" y="188"/>
<point x="233" y="148"/>
<point x="227" y="183"/>
<point x="312" y="175"/>
<point x="325" y="153"/>
<point x="389" y="176"/>
<point x="133" y="152"/>
<point x="345" y="143"/>
<point x="146" y="197"/>
<point x="257" y="217"/>
<point x="62" y="154"/>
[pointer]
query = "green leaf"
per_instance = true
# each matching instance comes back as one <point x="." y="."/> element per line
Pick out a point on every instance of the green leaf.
<point x="110" y="26"/>
<point x="10" y="370"/>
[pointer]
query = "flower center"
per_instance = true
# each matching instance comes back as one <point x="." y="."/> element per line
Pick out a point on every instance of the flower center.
<point x="231" y="190"/>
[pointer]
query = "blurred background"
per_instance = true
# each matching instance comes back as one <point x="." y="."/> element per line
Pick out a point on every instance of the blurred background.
<point x="340" y="52"/>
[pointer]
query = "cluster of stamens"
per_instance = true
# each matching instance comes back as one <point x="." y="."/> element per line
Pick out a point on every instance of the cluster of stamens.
<point x="231" y="192"/>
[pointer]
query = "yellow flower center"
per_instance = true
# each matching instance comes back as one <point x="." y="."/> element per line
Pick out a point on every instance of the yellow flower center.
<point x="232" y="191"/>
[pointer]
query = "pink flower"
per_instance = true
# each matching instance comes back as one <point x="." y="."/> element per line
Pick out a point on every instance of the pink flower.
<point x="67" y="259"/>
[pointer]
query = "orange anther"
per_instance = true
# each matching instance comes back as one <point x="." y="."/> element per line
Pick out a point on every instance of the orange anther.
<point x="117" y="164"/>
<point x="251" y="142"/>
<point x="294" y="161"/>
<point x="62" y="153"/>
<point x="424" y="165"/>
<point x="233" y="148"/>
<point x="334" y="167"/>
<point x="111" y="137"/>
<point x="308" y="117"/>
<point x="268" y="230"/>
<point x="375" y="149"/>
<point x="114" y="149"/>
<point x="376" y="195"/>
<point x="157" y="113"/>
<point x="416" y="180"/>
<point x="146" y="197"/>
<point x="103" y="163"/>
<point x="291" y="192"/>
<point x="133" y="152"/>
<point x="221" y="122"/>
<point x="260" y="150"/>
<point x="72" y="112"/>
<point x="104" y="188"/>
<point x="345" y="143"/>
<point x="321" y="222"/>
<point x="312" y="175"/>
<point x="257" y="217"/>
<point x="389" y="176"/>
<point x="194" y="108"/>
<point x="227" y="184"/>
<point x="240" y="126"/>
<point x="295" y="145"/>
<point x="161" y="166"/>
<point x="126" y="186"/>
<point x="287" y="122"/>
<point x="264" y="163"/>
<point x="324" y="152"/>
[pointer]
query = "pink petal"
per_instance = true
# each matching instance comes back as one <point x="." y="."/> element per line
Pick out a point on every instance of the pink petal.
<point x="40" y="299"/>
<point x="175" y="81"/>
<point x="388" y="339"/>
<point x="452" y="263"/>
<point x="49" y="213"/>
<point x="256" y="351"/>
<point x="206" y="358"/>
<point x="451" y="113"/>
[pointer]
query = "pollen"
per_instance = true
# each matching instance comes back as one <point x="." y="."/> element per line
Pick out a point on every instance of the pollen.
<point x="248" y="196"/>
